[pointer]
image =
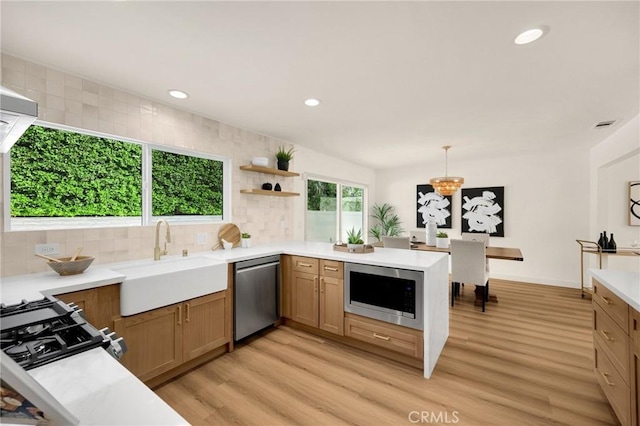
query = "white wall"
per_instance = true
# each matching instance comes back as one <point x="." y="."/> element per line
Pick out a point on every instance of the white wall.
<point x="613" y="163"/>
<point x="546" y="208"/>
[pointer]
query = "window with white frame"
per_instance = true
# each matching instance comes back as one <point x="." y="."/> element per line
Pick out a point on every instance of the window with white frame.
<point x="58" y="177"/>
<point x="333" y="209"/>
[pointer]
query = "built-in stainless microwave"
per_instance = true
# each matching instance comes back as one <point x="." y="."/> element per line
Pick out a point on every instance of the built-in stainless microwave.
<point x="386" y="294"/>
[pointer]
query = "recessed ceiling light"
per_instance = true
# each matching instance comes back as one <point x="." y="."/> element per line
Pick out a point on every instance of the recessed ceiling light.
<point x="179" y="94"/>
<point x="529" y="35"/>
<point x="312" y="102"/>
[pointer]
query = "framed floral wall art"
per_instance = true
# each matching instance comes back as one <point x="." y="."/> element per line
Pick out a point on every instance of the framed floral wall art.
<point x="634" y="203"/>
<point x="432" y="206"/>
<point x="483" y="210"/>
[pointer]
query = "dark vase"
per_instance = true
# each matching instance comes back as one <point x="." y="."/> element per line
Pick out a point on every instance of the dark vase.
<point x="277" y="187"/>
<point x="605" y="241"/>
<point x="612" y="247"/>
<point x="266" y="186"/>
<point x="283" y="165"/>
<point x="601" y="242"/>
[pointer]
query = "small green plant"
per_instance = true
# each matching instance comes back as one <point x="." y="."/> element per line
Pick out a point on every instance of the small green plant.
<point x="388" y="222"/>
<point x="442" y="234"/>
<point x="245" y="235"/>
<point x="284" y="154"/>
<point x="354" y="237"/>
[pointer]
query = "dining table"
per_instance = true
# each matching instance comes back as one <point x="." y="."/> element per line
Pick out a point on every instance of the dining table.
<point x="493" y="252"/>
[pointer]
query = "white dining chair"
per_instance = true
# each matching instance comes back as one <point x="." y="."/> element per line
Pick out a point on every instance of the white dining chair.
<point x="469" y="265"/>
<point x="476" y="236"/>
<point x="396" y="242"/>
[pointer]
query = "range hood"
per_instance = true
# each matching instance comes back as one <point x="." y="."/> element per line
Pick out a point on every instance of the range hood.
<point x="17" y="113"/>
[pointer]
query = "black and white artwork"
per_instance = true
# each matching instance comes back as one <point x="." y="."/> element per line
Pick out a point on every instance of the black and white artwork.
<point x="483" y="210"/>
<point x="634" y="203"/>
<point x="432" y="206"/>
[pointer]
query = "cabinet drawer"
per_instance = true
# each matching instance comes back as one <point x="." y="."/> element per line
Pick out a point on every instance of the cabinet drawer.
<point x="616" y="390"/>
<point x="304" y="264"/>
<point x="615" y="307"/>
<point x="331" y="268"/>
<point x="612" y="339"/>
<point x="634" y="330"/>
<point x="391" y="338"/>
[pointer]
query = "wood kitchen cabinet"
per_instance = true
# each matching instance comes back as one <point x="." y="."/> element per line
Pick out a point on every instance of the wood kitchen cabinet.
<point x="616" y="341"/>
<point x="101" y="305"/>
<point x="316" y="293"/>
<point x="634" y="333"/>
<point x="163" y="339"/>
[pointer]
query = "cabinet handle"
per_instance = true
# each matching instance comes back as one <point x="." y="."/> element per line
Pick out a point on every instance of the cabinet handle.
<point x="305" y="265"/>
<point x="606" y="335"/>
<point x="315" y="284"/>
<point x="330" y="268"/>
<point x="321" y="285"/>
<point x="179" y="314"/>
<point x="605" y="376"/>
<point x="187" y="312"/>
<point x="607" y="300"/>
<point x="377" y="336"/>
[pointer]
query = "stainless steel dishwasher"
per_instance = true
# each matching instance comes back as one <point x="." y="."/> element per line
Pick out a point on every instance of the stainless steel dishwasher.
<point x="255" y="295"/>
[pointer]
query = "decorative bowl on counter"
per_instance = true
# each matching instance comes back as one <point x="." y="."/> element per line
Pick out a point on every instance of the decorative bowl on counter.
<point x="260" y="161"/>
<point x="68" y="267"/>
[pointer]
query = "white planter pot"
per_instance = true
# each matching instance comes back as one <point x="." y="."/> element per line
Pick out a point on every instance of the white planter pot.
<point x="442" y="242"/>
<point x="354" y="247"/>
<point x="246" y="242"/>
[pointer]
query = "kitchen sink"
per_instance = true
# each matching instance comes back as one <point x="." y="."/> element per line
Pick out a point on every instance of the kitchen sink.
<point x="154" y="284"/>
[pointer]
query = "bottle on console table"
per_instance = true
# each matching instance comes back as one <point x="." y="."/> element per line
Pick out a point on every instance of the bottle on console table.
<point x="612" y="247"/>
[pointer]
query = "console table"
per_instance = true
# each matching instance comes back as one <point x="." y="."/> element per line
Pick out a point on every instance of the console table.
<point x="592" y="247"/>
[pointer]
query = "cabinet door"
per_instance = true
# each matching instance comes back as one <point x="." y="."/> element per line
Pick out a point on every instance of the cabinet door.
<point x="205" y="326"/>
<point x="154" y="341"/>
<point x="332" y="304"/>
<point x="304" y="298"/>
<point x="101" y="305"/>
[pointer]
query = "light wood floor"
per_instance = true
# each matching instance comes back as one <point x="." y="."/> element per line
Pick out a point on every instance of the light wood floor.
<point x="526" y="361"/>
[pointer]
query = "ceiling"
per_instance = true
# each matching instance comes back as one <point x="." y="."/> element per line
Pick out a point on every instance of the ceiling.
<point x="397" y="80"/>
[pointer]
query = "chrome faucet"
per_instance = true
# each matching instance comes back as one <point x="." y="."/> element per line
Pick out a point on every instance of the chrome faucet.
<point x="156" y="249"/>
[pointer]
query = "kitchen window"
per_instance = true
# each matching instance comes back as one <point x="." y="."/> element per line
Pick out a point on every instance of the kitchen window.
<point x="58" y="177"/>
<point x="333" y="208"/>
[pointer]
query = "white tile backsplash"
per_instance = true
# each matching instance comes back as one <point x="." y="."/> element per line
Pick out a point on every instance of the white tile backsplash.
<point x="70" y="100"/>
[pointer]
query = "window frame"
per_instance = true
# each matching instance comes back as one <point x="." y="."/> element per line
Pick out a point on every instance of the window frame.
<point x="146" y="218"/>
<point x="339" y="183"/>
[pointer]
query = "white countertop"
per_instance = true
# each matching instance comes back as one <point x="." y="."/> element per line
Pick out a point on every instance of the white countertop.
<point x="98" y="390"/>
<point x="624" y="284"/>
<point x="34" y="286"/>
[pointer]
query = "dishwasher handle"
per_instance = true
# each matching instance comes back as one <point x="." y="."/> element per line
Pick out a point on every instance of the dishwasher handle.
<point x="264" y="265"/>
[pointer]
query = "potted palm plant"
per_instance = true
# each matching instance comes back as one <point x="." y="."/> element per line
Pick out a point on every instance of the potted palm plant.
<point x="442" y="239"/>
<point x="354" y="239"/>
<point x="388" y="225"/>
<point x="284" y="156"/>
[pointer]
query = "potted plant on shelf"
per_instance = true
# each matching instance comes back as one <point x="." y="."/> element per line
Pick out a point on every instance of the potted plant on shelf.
<point x="284" y="156"/>
<point x="442" y="240"/>
<point x="354" y="240"/>
<point x="246" y="240"/>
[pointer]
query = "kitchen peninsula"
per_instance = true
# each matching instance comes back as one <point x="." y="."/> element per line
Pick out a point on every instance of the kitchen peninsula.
<point x="434" y="267"/>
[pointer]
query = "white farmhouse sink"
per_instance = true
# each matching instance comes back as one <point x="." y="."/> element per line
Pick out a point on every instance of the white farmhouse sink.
<point x="154" y="284"/>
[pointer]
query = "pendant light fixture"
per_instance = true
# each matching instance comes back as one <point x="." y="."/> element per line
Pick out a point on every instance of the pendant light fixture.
<point x="446" y="185"/>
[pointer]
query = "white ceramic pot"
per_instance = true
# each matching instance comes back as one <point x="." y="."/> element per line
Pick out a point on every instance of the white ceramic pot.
<point x="442" y="242"/>
<point x="354" y="247"/>
<point x="246" y="242"/>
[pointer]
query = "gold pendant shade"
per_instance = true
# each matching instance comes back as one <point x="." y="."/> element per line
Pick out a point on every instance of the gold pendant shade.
<point x="446" y="185"/>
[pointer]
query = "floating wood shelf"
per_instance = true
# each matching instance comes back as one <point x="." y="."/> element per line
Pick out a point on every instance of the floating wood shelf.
<point x="272" y="193"/>
<point x="259" y="169"/>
